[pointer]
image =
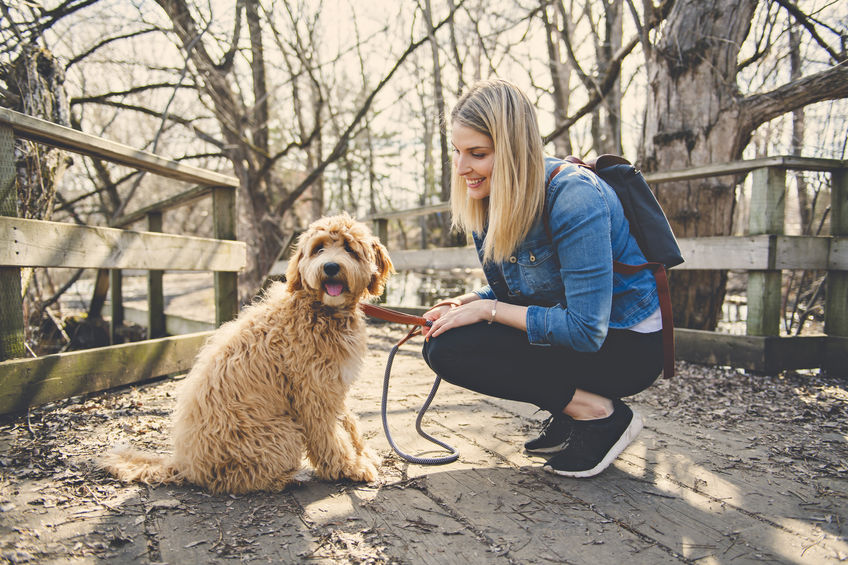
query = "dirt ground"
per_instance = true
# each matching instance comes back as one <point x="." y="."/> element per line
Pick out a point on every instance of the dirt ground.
<point x="731" y="468"/>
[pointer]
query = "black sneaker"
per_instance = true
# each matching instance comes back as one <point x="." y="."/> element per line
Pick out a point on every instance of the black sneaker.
<point x="554" y="437"/>
<point x="595" y="444"/>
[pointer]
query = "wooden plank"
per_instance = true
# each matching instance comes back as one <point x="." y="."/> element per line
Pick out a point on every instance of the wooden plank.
<point x="836" y="356"/>
<point x="224" y="226"/>
<point x="785" y="162"/>
<point x="101" y="289"/>
<point x="34" y="243"/>
<point x="440" y="258"/>
<point x="763" y="354"/>
<point x="11" y="304"/>
<point x="837" y="259"/>
<point x="768" y="205"/>
<point x="256" y="528"/>
<point x="55" y="135"/>
<point x="754" y="252"/>
<point x="802" y="252"/>
<point x="653" y="490"/>
<point x="725" y="252"/>
<point x="29" y="382"/>
<point x="413" y="527"/>
<point x="188" y="197"/>
<point x="155" y="288"/>
<point x="768" y="201"/>
<point x="494" y="490"/>
<point x="836" y="307"/>
<point x="116" y="307"/>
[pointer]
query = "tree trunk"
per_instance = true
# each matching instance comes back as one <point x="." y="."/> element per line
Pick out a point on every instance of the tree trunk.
<point x="610" y="138"/>
<point x="560" y="78"/>
<point x="693" y="119"/>
<point x="798" y="126"/>
<point x="444" y="154"/>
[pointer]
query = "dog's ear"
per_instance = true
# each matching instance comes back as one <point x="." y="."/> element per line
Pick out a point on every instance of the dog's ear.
<point x="293" y="279"/>
<point x="384" y="269"/>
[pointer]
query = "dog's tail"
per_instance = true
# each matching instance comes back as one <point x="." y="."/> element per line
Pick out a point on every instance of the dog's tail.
<point x="132" y="465"/>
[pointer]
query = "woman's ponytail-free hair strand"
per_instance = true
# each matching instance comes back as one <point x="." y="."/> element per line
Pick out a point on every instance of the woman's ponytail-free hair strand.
<point x="500" y="110"/>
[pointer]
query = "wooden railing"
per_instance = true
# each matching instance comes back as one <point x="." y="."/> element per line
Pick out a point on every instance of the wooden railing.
<point x="764" y="253"/>
<point x="33" y="243"/>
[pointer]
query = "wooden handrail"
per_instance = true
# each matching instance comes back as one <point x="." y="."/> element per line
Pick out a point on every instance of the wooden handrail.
<point x="787" y="162"/>
<point x="48" y="133"/>
<point x="37" y="243"/>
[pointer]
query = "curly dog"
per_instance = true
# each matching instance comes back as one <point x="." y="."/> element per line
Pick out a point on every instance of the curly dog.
<point x="272" y="383"/>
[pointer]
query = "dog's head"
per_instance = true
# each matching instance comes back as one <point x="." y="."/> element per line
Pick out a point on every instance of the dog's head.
<point x="339" y="261"/>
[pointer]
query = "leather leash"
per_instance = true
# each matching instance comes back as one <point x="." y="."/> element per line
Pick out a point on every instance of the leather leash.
<point x="417" y="323"/>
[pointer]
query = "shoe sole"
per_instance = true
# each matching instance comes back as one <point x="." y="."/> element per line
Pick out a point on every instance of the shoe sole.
<point x="553" y="449"/>
<point x="626" y="439"/>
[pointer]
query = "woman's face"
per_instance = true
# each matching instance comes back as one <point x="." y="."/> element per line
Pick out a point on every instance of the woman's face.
<point x="473" y="158"/>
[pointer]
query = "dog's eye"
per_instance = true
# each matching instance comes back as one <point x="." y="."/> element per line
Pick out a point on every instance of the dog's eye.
<point x="349" y="249"/>
<point x="318" y="249"/>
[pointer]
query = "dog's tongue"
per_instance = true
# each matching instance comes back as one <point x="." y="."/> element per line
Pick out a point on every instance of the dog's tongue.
<point x="333" y="289"/>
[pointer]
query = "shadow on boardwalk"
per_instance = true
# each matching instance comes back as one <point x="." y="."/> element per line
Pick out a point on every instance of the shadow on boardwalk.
<point x="730" y="468"/>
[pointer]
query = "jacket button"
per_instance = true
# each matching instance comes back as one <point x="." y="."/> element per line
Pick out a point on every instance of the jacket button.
<point x="513" y="259"/>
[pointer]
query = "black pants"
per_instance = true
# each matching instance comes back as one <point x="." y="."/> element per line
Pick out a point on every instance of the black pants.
<point x="499" y="361"/>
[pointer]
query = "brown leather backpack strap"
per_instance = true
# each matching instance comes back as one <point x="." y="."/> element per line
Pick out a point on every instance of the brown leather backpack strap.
<point x="554" y="173"/>
<point x="664" y="294"/>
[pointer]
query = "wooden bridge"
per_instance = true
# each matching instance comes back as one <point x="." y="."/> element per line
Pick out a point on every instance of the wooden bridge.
<point x="731" y="468"/>
<point x="764" y="253"/>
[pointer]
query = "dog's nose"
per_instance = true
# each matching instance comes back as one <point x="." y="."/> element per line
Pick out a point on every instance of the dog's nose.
<point x="331" y="269"/>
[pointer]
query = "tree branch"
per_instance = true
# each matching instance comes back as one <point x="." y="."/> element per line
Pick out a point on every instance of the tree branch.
<point x="105" y="42"/>
<point x="807" y="22"/>
<point x="757" y="109"/>
<point x="226" y="63"/>
<point x="187" y="122"/>
<point x="607" y="82"/>
<point x="341" y="144"/>
<point x="135" y="90"/>
<point x="597" y="94"/>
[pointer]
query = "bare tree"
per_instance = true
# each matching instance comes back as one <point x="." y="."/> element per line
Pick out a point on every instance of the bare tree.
<point x="560" y="73"/>
<point x="696" y="116"/>
<point x="439" y="98"/>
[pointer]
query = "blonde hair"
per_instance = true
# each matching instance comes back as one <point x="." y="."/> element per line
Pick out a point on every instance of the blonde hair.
<point x="500" y="110"/>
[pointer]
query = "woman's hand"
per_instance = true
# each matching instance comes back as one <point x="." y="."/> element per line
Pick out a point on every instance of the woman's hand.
<point x="449" y="317"/>
<point x="438" y="311"/>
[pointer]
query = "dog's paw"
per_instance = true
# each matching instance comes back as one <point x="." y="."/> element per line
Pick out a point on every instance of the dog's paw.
<point x="363" y="471"/>
<point x="369" y="455"/>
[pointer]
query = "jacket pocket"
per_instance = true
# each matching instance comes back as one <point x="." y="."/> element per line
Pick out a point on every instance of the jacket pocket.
<point x="539" y="268"/>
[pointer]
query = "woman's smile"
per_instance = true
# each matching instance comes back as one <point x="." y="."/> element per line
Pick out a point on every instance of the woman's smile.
<point x="473" y="158"/>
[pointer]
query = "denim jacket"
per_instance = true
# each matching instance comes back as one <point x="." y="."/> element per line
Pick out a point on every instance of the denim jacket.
<point x="565" y="275"/>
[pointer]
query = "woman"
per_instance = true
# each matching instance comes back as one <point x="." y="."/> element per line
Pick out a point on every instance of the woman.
<point x="555" y="326"/>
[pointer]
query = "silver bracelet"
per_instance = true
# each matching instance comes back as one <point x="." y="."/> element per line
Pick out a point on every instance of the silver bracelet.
<point x="494" y="311"/>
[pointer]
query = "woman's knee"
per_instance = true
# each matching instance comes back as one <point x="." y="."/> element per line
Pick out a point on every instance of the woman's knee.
<point x="443" y="352"/>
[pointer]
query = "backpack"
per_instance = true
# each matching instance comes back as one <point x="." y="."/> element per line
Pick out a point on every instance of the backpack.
<point x="649" y="227"/>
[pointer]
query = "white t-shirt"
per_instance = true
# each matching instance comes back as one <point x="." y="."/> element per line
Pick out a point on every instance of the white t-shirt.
<point x="652" y="323"/>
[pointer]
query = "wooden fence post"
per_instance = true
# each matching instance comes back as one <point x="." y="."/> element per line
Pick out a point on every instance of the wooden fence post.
<point x="11" y="304"/>
<point x="155" y="289"/>
<point x="768" y="204"/>
<point x="116" y="287"/>
<point x="381" y="226"/>
<point x="836" y="306"/>
<point x="224" y="225"/>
